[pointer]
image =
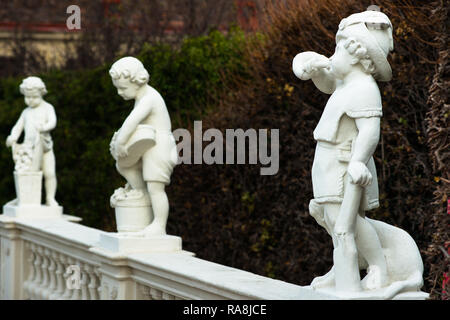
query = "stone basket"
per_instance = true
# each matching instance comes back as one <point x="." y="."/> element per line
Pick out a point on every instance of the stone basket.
<point x="133" y="219"/>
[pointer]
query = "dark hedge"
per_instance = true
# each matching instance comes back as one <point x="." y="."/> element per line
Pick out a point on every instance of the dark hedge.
<point x="89" y="111"/>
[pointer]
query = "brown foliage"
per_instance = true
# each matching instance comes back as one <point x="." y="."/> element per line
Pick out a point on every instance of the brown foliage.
<point x="438" y="127"/>
<point x="232" y="215"/>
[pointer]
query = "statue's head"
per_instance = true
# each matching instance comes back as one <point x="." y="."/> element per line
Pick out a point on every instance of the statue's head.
<point x="128" y="76"/>
<point x="33" y="88"/>
<point x="364" y="38"/>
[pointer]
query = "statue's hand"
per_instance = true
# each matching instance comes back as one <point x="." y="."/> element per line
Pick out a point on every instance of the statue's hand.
<point x="316" y="63"/>
<point x="306" y="64"/>
<point x="40" y="127"/>
<point x="359" y="173"/>
<point x="10" y="141"/>
<point x="120" y="150"/>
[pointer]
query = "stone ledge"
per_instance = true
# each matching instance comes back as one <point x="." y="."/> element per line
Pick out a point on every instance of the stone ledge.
<point x="33" y="211"/>
<point x="118" y="243"/>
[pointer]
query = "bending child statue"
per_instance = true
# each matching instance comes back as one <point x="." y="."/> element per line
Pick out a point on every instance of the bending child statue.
<point x="145" y="153"/>
<point x="36" y="151"/>
<point x="344" y="175"/>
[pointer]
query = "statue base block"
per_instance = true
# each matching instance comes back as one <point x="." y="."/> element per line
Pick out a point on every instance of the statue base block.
<point x="32" y="211"/>
<point x="379" y="294"/>
<point x="127" y="244"/>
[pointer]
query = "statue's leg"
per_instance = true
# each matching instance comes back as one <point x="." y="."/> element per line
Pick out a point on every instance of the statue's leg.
<point x="133" y="175"/>
<point x="345" y="255"/>
<point x="49" y="172"/>
<point x="330" y="212"/>
<point x="160" y="206"/>
<point x="369" y="247"/>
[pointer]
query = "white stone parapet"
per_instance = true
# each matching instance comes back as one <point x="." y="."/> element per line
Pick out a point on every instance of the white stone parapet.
<point x="56" y="259"/>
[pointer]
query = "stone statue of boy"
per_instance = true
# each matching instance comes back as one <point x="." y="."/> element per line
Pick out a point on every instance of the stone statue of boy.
<point x="343" y="174"/>
<point x="152" y="172"/>
<point x="37" y="120"/>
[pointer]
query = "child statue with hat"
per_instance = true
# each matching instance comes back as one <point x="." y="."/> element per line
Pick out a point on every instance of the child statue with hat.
<point x="344" y="176"/>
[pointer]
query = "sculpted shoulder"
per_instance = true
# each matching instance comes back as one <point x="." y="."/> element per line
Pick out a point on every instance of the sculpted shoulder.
<point x="152" y="98"/>
<point x="49" y="106"/>
<point x="359" y="94"/>
<point x="156" y="97"/>
<point x="366" y="93"/>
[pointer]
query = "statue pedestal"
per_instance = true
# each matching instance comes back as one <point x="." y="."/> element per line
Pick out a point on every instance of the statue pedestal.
<point x="28" y="187"/>
<point x="127" y="244"/>
<point x="28" y="203"/>
<point x="379" y="294"/>
<point x="34" y="211"/>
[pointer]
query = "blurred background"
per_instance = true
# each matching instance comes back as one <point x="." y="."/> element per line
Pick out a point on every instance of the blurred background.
<point x="35" y="38"/>
<point x="228" y="63"/>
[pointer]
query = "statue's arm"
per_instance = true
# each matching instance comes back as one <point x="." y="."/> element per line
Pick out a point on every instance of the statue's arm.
<point x="139" y="113"/>
<point x="51" y="119"/>
<point x="363" y="148"/>
<point x="324" y="81"/>
<point x="16" y="131"/>
<point x="311" y="65"/>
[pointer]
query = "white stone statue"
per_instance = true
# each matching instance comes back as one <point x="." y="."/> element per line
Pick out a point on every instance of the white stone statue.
<point x="34" y="157"/>
<point x="145" y="153"/>
<point x="344" y="176"/>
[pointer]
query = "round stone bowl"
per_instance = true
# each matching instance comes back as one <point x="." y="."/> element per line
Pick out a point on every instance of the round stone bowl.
<point x="140" y="141"/>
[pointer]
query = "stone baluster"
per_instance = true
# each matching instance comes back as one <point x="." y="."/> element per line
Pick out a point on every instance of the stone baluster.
<point x="143" y="292"/>
<point x="43" y="268"/>
<point x="76" y="292"/>
<point x="34" y="287"/>
<point x="155" y="294"/>
<point x="59" y="291"/>
<point x="43" y="292"/>
<point x="99" y="282"/>
<point x="93" y="283"/>
<point x="53" y="256"/>
<point x="67" y="291"/>
<point x="32" y="268"/>
<point x="167" y="296"/>
<point x="84" y="282"/>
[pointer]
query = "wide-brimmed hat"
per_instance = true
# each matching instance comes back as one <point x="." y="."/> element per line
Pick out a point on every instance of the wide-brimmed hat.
<point x="373" y="30"/>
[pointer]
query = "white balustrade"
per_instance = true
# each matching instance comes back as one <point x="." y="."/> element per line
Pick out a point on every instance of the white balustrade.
<point x="40" y="256"/>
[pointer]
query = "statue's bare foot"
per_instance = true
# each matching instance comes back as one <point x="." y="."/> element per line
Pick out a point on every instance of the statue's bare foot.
<point x="52" y="203"/>
<point x="375" y="278"/>
<point x="154" y="229"/>
<point x="324" y="281"/>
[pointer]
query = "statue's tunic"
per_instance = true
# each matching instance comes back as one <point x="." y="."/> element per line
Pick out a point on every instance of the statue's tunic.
<point x="335" y="134"/>
<point x="160" y="160"/>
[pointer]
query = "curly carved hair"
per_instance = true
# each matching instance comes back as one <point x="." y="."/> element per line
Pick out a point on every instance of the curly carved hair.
<point x="356" y="48"/>
<point x="33" y="83"/>
<point x="132" y="68"/>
